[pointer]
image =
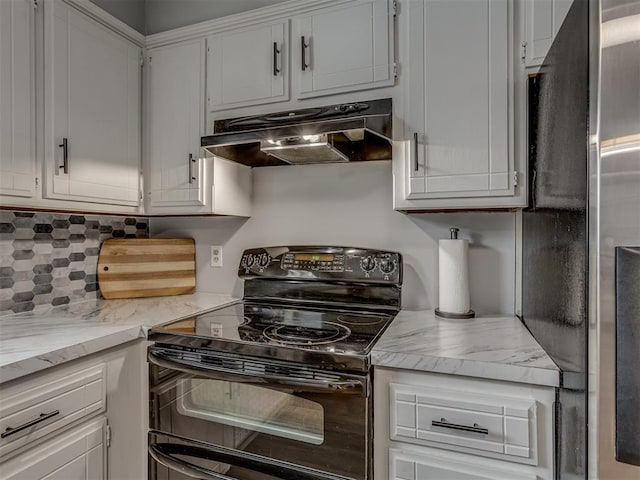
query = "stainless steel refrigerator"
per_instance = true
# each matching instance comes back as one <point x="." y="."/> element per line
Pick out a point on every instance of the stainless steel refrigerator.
<point x="581" y="235"/>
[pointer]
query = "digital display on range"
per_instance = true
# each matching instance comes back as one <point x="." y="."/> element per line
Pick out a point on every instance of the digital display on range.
<point x="313" y="257"/>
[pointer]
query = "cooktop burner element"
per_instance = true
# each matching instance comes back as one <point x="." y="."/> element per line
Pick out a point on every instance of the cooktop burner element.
<point x="323" y="306"/>
<point x="325" y="333"/>
<point x="360" y="319"/>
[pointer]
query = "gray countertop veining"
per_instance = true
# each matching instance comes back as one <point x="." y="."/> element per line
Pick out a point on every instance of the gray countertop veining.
<point x="30" y="342"/>
<point x="492" y="347"/>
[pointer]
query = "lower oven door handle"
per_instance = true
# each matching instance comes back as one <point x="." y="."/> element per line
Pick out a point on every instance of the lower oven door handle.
<point x="184" y="467"/>
<point x="350" y="385"/>
<point x="164" y="453"/>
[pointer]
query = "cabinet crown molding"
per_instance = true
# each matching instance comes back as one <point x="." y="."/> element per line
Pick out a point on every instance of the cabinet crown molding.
<point x="265" y="14"/>
<point x="101" y="16"/>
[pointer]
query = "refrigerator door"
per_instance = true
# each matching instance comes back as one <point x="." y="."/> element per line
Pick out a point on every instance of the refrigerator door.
<point x="617" y="197"/>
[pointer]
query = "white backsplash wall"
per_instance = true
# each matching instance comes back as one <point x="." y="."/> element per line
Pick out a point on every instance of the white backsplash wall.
<point x="351" y="205"/>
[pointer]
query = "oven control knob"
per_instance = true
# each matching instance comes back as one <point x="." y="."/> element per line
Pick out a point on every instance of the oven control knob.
<point x="263" y="259"/>
<point x="249" y="261"/>
<point x="368" y="263"/>
<point x="387" y="265"/>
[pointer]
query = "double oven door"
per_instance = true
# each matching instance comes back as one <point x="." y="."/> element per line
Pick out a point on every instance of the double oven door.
<point x="216" y="416"/>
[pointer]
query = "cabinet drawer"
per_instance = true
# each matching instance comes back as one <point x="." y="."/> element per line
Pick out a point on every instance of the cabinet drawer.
<point x="38" y="409"/>
<point x="502" y="427"/>
<point x="78" y="454"/>
<point x="431" y="464"/>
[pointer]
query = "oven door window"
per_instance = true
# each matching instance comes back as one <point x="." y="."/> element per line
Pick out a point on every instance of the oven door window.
<point x="251" y="408"/>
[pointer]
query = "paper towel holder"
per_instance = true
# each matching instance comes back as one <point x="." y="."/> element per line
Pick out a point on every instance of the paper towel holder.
<point x="470" y="314"/>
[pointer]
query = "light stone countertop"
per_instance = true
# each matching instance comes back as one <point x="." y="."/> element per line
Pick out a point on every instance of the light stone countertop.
<point x="33" y="341"/>
<point x="492" y="347"/>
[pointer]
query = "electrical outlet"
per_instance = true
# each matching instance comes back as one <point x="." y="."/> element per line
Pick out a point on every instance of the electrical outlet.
<point x="216" y="256"/>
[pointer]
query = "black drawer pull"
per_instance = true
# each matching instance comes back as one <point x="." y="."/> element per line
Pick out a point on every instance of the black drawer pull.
<point x="465" y="428"/>
<point x="43" y="416"/>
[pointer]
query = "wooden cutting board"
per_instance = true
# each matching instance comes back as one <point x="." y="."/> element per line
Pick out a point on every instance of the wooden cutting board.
<point x="146" y="267"/>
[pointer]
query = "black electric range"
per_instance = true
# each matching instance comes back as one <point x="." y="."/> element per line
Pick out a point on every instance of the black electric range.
<point x="321" y="306"/>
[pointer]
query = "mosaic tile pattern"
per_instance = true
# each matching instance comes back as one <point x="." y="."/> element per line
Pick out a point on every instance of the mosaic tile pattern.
<point x="52" y="258"/>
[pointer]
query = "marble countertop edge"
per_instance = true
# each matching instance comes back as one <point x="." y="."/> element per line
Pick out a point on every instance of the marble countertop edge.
<point x="466" y="367"/>
<point x="33" y="341"/>
<point x="26" y="366"/>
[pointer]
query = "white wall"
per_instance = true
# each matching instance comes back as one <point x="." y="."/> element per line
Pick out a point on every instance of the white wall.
<point x="350" y="204"/>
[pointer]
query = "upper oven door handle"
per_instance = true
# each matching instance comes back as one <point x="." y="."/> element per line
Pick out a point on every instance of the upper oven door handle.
<point x="163" y="358"/>
<point x="165" y="454"/>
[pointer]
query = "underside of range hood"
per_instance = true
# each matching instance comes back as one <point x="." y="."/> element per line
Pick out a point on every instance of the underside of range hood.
<point x="348" y="132"/>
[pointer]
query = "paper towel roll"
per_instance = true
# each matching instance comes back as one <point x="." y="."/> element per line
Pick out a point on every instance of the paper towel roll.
<point x="454" y="276"/>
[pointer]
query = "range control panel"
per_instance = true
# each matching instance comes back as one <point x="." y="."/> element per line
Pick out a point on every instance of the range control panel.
<point x="322" y="263"/>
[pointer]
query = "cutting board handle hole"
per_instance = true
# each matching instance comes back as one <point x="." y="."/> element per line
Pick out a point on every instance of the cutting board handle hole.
<point x="106" y="269"/>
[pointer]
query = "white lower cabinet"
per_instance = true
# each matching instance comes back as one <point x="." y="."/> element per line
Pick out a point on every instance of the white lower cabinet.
<point x="79" y="454"/>
<point x="82" y="420"/>
<point x="435" y="426"/>
<point x="432" y="464"/>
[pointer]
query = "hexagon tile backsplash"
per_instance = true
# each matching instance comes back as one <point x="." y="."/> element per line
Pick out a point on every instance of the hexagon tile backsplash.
<point x="51" y="258"/>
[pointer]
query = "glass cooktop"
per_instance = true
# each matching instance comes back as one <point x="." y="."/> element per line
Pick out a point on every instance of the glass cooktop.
<point x="335" y="331"/>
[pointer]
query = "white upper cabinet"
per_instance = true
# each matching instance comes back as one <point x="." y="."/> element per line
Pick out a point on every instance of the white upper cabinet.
<point x="248" y="66"/>
<point x="343" y="48"/>
<point x="458" y="149"/>
<point x="543" y="20"/>
<point x="174" y="115"/>
<point x="92" y="110"/>
<point x="17" y="102"/>
<point x="180" y="180"/>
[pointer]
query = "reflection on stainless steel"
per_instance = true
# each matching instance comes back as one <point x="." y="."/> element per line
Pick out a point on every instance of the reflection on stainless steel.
<point x="614" y="404"/>
<point x="584" y="207"/>
<point x="281" y="377"/>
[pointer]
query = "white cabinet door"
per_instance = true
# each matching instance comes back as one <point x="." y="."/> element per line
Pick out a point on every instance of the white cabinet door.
<point x="77" y="455"/>
<point x="460" y="140"/>
<point x="248" y="66"/>
<point x="543" y="20"/>
<point x="175" y="118"/>
<point x="92" y="108"/>
<point x="344" y="48"/>
<point x="17" y="140"/>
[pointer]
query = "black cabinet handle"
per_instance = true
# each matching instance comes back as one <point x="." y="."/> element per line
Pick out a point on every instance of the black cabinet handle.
<point x="192" y="160"/>
<point x="465" y="428"/>
<point x="43" y="416"/>
<point x="303" y="49"/>
<point x="415" y="151"/>
<point x="276" y="52"/>
<point x="65" y="155"/>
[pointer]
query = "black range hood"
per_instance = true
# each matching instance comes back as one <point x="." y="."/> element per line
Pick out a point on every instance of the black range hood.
<point x="346" y="132"/>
